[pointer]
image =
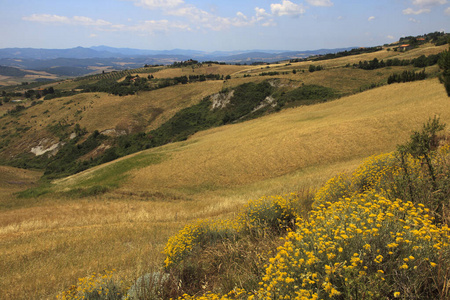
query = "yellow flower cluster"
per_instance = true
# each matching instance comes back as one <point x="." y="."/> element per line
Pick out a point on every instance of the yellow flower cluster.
<point x="196" y="235"/>
<point x="348" y="246"/>
<point x="234" y="294"/>
<point x="275" y="213"/>
<point x="96" y="286"/>
<point x="373" y="173"/>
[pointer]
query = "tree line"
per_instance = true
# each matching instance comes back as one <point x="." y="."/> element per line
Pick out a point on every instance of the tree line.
<point x="419" y="62"/>
<point x="407" y="76"/>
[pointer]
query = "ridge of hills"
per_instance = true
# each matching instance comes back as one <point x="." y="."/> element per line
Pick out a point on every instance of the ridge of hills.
<point x="63" y="63"/>
<point x="111" y="52"/>
<point x="80" y="61"/>
<point x="120" y="214"/>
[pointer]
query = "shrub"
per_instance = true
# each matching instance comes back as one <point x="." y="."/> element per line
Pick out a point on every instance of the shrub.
<point x="366" y="247"/>
<point x="95" y="287"/>
<point x="224" y="255"/>
<point x="266" y="215"/>
<point x="274" y="214"/>
<point x="194" y="236"/>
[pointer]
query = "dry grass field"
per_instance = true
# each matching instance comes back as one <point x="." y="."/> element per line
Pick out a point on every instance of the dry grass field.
<point x="47" y="243"/>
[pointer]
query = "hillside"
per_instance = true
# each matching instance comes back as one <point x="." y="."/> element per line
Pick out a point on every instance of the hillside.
<point x="145" y="105"/>
<point x="262" y="151"/>
<point x="289" y="151"/>
<point x="120" y="214"/>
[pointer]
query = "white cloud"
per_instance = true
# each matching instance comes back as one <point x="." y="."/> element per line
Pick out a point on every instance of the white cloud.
<point x="269" y="23"/>
<point x="76" y="20"/>
<point x="149" y="26"/>
<point x="287" y="8"/>
<point x="89" y="22"/>
<point x="447" y="11"/>
<point x="93" y="35"/>
<point x="200" y="17"/>
<point x="320" y="2"/>
<point x="261" y="14"/>
<point x="410" y="11"/>
<point x="152" y="26"/>
<point x="428" y="2"/>
<point x="45" y="18"/>
<point x="241" y="20"/>
<point x="391" y="37"/>
<point x="211" y="21"/>
<point x="189" y="18"/>
<point x="413" y="20"/>
<point x="158" y="4"/>
<point x="371" y="18"/>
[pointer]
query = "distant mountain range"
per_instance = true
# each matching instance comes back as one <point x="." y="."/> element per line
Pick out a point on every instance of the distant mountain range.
<point x="110" y="52"/>
<point x="82" y="60"/>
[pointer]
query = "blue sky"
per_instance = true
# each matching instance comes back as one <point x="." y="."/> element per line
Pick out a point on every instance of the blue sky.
<point x="211" y="25"/>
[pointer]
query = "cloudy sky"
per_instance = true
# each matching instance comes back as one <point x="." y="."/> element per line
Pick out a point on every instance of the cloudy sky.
<point x="217" y="25"/>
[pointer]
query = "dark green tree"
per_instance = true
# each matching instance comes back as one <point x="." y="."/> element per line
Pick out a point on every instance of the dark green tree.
<point x="444" y="64"/>
<point x="422" y="143"/>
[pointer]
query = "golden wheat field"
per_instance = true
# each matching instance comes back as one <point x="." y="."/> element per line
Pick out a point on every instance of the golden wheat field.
<point x="49" y="242"/>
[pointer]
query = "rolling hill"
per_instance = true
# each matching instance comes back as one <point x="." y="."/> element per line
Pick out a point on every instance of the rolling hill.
<point x="119" y="215"/>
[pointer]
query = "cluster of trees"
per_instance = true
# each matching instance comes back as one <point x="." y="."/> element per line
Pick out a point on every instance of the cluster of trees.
<point x="256" y="63"/>
<point x="419" y="62"/>
<point x="307" y="95"/>
<point x="194" y="78"/>
<point x="355" y="51"/>
<point x="29" y="94"/>
<point x="190" y="62"/>
<point x="313" y="68"/>
<point x="210" y="62"/>
<point x="272" y="73"/>
<point x="132" y="84"/>
<point x="129" y="86"/>
<point x="438" y="38"/>
<point x="6" y="97"/>
<point x="444" y="65"/>
<point x="407" y="76"/>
